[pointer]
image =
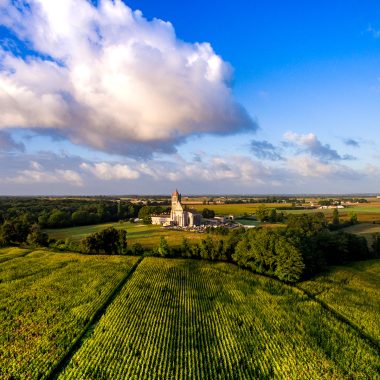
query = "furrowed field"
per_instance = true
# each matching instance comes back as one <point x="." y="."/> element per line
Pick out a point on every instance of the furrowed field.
<point x="190" y="319"/>
<point x="93" y="317"/>
<point x="46" y="300"/>
<point x="353" y="291"/>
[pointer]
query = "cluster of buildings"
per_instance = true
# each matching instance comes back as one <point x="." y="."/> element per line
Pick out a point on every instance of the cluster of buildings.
<point x="179" y="216"/>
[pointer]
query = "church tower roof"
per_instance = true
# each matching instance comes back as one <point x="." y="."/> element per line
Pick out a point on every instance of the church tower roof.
<point x="175" y="193"/>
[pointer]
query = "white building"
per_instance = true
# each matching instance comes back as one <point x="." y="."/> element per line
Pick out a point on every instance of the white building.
<point x="179" y="216"/>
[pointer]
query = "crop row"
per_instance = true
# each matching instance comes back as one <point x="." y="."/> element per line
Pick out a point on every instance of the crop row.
<point x="46" y="299"/>
<point x="187" y="319"/>
<point x="353" y="291"/>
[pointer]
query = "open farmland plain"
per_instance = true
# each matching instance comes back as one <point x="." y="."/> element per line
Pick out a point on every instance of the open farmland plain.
<point x="352" y="290"/>
<point x="146" y="234"/>
<point x="184" y="319"/>
<point x="46" y="300"/>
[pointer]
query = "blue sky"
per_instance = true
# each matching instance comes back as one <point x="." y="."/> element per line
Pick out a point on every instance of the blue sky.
<point x="230" y="97"/>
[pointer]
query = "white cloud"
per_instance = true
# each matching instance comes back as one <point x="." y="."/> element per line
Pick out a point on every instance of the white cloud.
<point x="310" y="167"/>
<point x="109" y="172"/>
<point x="35" y="165"/>
<point x="312" y="145"/>
<point x="31" y="176"/>
<point x="113" y="80"/>
<point x="70" y="176"/>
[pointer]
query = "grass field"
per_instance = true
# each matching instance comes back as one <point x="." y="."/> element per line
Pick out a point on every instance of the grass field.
<point x="11" y="253"/>
<point x="364" y="229"/>
<point x="180" y="319"/>
<point x="46" y="299"/>
<point x="353" y="291"/>
<point x="147" y="235"/>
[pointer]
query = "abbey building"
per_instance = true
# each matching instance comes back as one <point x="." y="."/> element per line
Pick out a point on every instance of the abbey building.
<point x="179" y="215"/>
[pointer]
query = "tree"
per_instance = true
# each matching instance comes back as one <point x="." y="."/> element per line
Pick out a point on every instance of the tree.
<point x="335" y="217"/>
<point x="121" y="242"/>
<point x="145" y="215"/>
<point x="109" y="241"/>
<point x="208" y="214"/>
<point x="262" y="213"/>
<point x="307" y="224"/>
<point x="91" y="244"/>
<point x="37" y="237"/>
<point x="80" y="218"/>
<point x="185" y="247"/>
<point x="289" y="262"/>
<point x="137" y="249"/>
<point x="353" y="218"/>
<point x="207" y="248"/>
<point x="58" y="218"/>
<point x="272" y="215"/>
<point x="163" y="249"/>
<point x="13" y="232"/>
<point x="7" y="233"/>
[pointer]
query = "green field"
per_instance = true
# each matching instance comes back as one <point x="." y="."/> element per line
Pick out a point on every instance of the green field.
<point x="146" y="234"/>
<point x="180" y="319"/>
<point x="190" y="319"/>
<point x="353" y="291"/>
<point x="46" y="300"/>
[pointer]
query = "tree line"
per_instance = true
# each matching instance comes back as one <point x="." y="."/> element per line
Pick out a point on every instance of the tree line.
<point x="66" y="212"/>
<point x="302" y="249"/>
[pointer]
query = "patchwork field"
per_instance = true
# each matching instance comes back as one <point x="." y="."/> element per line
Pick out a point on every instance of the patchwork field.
<point x="46" y="300"/>
<point x="353" y="291"/>
<point x="147" y="235"/>
<point x="177" y="318"/>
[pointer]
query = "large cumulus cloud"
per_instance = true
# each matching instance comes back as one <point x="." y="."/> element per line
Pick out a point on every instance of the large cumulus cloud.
<point x="104" y="76"/>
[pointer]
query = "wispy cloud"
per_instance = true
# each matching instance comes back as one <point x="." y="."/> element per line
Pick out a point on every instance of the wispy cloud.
<point x="106" y="171"/>
<point x="352" y="142"/>
<point x="104" y="76"/>
<point x="309" y="143"/>
<point x="265" y="150"/>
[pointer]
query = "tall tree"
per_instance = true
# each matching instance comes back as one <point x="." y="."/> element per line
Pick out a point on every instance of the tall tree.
<point x="335" y="217"/>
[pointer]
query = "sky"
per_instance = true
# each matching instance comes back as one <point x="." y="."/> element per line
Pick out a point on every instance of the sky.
<point x="141" y="97"/>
